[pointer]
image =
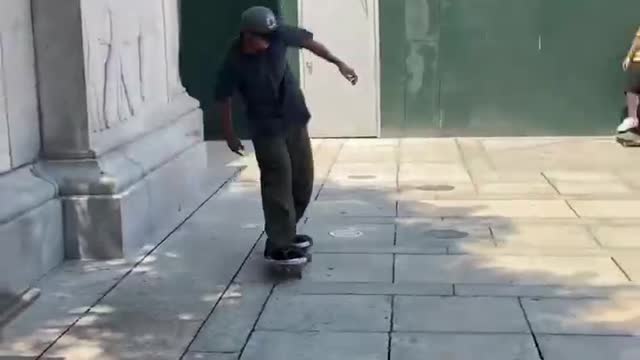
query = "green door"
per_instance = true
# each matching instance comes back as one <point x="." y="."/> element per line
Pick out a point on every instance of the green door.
<point x="503" y="67"/>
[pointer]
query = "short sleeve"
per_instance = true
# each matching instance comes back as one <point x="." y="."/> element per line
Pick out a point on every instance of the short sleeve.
<point x="294" y="36"/>
<point x="226" y="81"/>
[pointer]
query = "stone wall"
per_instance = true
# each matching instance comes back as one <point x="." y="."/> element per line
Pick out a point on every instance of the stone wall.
<point x="31" y="240"/>
<point x="19" y="130"/>
<point x="95" y="126"/>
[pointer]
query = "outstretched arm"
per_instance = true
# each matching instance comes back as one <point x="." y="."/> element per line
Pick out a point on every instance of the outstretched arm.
<point x="322" y="51"/>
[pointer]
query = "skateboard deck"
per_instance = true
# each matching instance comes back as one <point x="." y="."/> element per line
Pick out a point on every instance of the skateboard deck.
<point x="628" y="141"/>
<point x="288" y="269"/>
<point x="291" y="269"/>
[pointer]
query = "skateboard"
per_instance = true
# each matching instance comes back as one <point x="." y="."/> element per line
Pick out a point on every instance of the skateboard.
<point x="289" y="269"/>
<point x="628" y="140"/>
<point x="294" y="269"/>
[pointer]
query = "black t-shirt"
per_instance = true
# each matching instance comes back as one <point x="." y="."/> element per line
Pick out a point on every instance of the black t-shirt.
<point x="271" y="93"/>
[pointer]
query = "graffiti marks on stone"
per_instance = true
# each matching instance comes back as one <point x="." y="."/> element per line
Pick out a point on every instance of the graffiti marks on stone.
<point x="124" y="48"/>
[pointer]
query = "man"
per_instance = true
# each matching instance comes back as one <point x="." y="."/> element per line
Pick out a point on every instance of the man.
<point x="628" y="129"/>
<point x="256" y="66"/>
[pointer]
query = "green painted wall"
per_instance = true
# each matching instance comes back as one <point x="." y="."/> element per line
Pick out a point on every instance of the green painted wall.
<point x="503" y="67"/>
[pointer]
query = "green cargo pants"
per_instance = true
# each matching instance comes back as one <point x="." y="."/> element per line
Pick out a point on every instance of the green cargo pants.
<point x="286" y="181"/>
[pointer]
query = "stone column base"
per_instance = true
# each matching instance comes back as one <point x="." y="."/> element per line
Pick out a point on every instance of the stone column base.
<point x="31" y="235"/>
<point x="128" y="200"/>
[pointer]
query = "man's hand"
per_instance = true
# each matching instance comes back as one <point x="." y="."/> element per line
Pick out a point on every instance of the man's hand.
<point x="235" y="145"/>
<point x="626" y="63"/>
<point x="348" y="73"/>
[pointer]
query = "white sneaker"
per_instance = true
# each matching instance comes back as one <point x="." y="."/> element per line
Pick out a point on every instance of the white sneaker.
<point x="627" y="124"/>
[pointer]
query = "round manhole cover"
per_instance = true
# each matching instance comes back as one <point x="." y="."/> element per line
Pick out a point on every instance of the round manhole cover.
<point x="346" y="233"/>
<point x="362" y="177"/>
<point x="436" y="188"/>
<point x="447" y="234"/>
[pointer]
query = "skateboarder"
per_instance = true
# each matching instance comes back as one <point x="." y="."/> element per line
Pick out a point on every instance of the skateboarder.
<point x="256" y="66"/>
<point x="631" y="64"/>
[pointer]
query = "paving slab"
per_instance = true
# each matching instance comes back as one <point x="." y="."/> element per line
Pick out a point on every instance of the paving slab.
<point x="316" y="346"/>
<point x="336" y="237"/>
<point x="351" y="268"/>
<point x="437" y="234"/>
<point x="427" y="190"/>
<point x="533" y="189"/>
<point x="429" y="150"/>
<point x="210" y="356"/>
<point x="353" y="207"/>
<point x="594" y="177"/>
<point x="616" y="316"/>
<point x="548" y="291"/>
<point x="66" y="294"/>
<point x="433" y="172"/>
<point x="630" y="264"/>
<point x="228" y="328"/>
<point x="560" y="347"/>
<point x="540" y="235"/>
<point x="348" y="288"/>
<point x="124" y="335"/>
<point x="343" y="313"/>
<point x="610" y="209"/>
<point x="462" y="347"/>
<point x="486" y="208"/>
<point x="457" y="314"/>
<point x="522" y="270"/>
<point x="618" y="236"/>
<point x="378" y="193"/>
<point x="592" y="190"/>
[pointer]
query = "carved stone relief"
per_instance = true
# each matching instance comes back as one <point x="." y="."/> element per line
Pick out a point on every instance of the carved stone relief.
<point x="125" y="59"/>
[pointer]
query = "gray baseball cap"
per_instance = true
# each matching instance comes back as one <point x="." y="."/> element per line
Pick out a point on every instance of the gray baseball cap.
<point x="258" y="19"/>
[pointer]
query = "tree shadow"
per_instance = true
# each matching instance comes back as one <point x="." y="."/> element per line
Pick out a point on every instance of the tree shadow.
<point x="427" y="237"/>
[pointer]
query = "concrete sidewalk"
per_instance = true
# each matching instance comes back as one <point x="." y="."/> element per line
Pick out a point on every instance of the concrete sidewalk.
<point x="457" y="249"/>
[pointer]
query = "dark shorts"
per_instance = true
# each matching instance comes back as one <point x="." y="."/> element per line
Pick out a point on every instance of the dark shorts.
<point x="633" y="79"/>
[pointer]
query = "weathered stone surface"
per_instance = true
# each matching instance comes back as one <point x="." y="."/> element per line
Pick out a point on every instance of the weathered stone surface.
<point x="316" y="346"/>
<point x="462" y="347"/>
<point x="344" y="313"/>
<point x="618" y="236"/>
<point x="455" y="314"/>
<point x="615" y="316"/>
<point x="487" y="208"/>
<point x="210" y="356"/>
<point x="350" y="268"/>
<point x="437" y="235"/>
<point x="30" y="246"/>
<point x="337" y="237"/>
<point x="524" y="270"/>
<point x="544" y="236"/>
<point x="612" y="209"/>
<point x="19" y="119"/>
<point x="228" y="329"/>
<point x="589" y="347"/>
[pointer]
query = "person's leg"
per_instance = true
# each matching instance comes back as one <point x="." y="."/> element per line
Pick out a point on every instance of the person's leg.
<point x="633" y="104"/>
<point x="632" y="99"/>
<point x="301" y="155"/>
<point x="276" y="188"/>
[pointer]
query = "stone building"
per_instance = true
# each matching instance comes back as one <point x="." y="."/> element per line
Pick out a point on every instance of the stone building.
<point x="101" y="147"/>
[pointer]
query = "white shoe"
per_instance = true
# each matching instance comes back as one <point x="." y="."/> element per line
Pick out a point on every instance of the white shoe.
<point x="627" y="124"/>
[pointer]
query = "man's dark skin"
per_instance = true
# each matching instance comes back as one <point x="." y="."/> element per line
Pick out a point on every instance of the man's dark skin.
<point x="252" y="44"/>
